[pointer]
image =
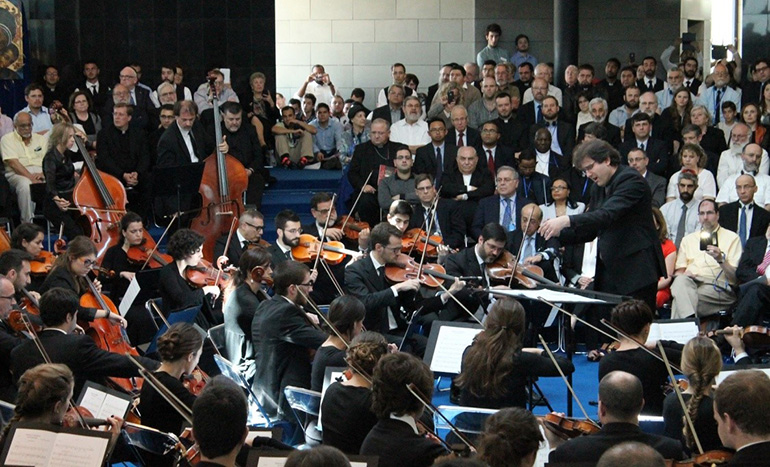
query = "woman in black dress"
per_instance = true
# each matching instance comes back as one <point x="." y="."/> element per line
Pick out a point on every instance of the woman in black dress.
<point x="701" y="363"/>
<point x="186" y="247"/>
<point x="346" y="313"/>
<point x="29" y="237"/>
<point x="496" y="367"/>
<point x="60" y="179"/>
<point x="253" y="269"/>
<point x="346" y="414"/>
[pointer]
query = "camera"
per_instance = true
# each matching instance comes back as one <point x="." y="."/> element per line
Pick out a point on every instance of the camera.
<point x="706" y="239"/>
<point x="450" y="97"/>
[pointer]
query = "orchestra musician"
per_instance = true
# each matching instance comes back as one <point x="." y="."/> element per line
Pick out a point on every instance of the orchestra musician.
<point x="251" y="224"/>
<point x="59" y="310"/>
<point x="288" y="228"/>
<point x="60" y="179"/>
<point x="29" y="237"/>
<point x="14" y="265"/>
<point x="446" y="223"/>
<point x="741" y="404"/>
<point x="9" y="340"/>
<point x="346" y="314"/>
<point x="219" y="426"/>
<point x="511" y="437"/>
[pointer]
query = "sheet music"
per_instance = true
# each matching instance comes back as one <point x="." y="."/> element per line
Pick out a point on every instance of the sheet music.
<point x="450" y="345"/>
<point x="553" y="296"/>
<point x="103" y="404"/>
<point x="128" y="299"/>
<point x="679" y="332"/>
<point x="42" y="448"/>
<point x="724" y="374"/>
<point x="271" y="461"/>
<point x="30" y="447"/>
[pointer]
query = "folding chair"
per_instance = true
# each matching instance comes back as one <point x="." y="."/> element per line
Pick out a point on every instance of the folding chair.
<point x="309" y="403"/>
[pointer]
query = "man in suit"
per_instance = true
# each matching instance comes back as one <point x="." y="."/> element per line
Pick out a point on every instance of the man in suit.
<point x="533" y="185"/>
<point x="690" y="67"/>
<point x="513" y="131"/>
<point x="288" y="229"/>
<point x="438" y="157"/>
<point x="504" y="208"/>
<point x="461" y="134"/>
<point x="9" y="339"/>
<point x="282" y="335"/>
<point x="123" y="153"/>
<point x="752" y="90"/>
<point x="468" y="184"/>
<point x="620" y="402"/>
<point x="549" y="162"/>
<point x="630" y="260"/>
<point x="754" y="289"/>
<point x="640" y="138"/>
<point x="531" y="112"/>
<point x="99" y="90"/>
<point x="536" y="250"/>
<point x="744" y="216"/>
<point x="495" y="155"/>
<point x="58" y="310"/>
<point x="393" y="108"/>
<point x="251" y="224"/>
<point x="638" y="159"/>
<point x="562" y="133"/>
<point x="445" y="221"/>
<point x="650" y="82"/>
<point x="145" y="115"/>
<point x="740" y="404"/>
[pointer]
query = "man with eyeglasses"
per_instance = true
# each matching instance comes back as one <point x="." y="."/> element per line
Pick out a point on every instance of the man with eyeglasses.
<point x="145" y="115"/>
<point x="706" y="262"/>
<point x="23" y="151"/>
<point x="282" y="335"/>
<point x="630" y="259"/>
<point x="52" y="91"/>
<point x="251" y="224"/>
<point x="713" y="96"/>
<point x="9" y="340"/>
<point x="411" y="130"/>
<point x="495" y="154"/>
<point x="753" y="90"/>
<point x="637" y="158"/>
<point x="502" y="208"/>
<point x="443" y="220"/>
<point x="289" y="228"/>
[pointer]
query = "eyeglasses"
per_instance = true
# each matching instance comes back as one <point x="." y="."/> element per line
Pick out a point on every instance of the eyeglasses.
<point x="588" y="168"/>
<point x="89" y="263"/>
<point x="293" y="231"/>
<point x="255" y="227"/>
<point x="9" y="297"/>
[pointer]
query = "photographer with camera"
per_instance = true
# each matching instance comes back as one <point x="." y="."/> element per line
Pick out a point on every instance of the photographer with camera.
<point x="450" y="95"/>
<point x="705" y="267"/>
<point x="320" y="85"/>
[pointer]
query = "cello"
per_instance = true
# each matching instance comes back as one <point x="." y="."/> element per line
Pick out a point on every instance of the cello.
<point x="222" y="186"/>
<point x="101" y="198"/>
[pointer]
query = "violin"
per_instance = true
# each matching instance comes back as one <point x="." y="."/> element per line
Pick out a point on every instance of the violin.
<point x="204" y="274"/>
<point x="109" y="336"/>
<point x="18" y="320"/>
<point x="195" y="381"/>
<point x="140" y="254"/>
<point x="707" y="459"/>
<point x="753" y="336"/>
<point x="42" y="264"/>
<point x="405" y="268"/>
<point x="5" y="240"/>
<point x="309" y="248"/>
<point x="418" y="240"/>
<point x="528" y="275"/>
<point x="567" y="428"/>
<point x="351" y="227"/>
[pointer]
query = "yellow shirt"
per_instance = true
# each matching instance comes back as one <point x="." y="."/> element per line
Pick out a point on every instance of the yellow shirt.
<point x="13" y="147"/>
<point x="697" y="262"/>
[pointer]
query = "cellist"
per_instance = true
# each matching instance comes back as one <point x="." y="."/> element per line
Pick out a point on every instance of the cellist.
<point x="60" y="179"/>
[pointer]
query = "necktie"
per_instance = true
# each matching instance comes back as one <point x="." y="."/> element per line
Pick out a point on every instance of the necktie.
<point x="641" y="146"/>
<point x="490" y="162"/>
<point x="539" y="114"/>
<point x="288" y="255"/>
<point x="688" y="83"/>
<point x="529" y="249"/>
<point x="132" y="101"/>
<point x="742" y="226"/>
<point x="649" y="85"/>
<point x="460" y="140"/>
<point x="93" y="89"/>
<point x="680" y="228"/>
<point x="718" y="106"/>
<point x="507" y="215"/>
<point x="765" y="263"/>
<point x="245" y="244"/>
<point x="439" y="166"/>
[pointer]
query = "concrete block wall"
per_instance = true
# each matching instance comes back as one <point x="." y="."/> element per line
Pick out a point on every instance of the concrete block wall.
<point x="358" y="40"/>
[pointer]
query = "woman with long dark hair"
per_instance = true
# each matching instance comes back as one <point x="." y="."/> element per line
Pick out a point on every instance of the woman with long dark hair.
<point x="346" y="313"/>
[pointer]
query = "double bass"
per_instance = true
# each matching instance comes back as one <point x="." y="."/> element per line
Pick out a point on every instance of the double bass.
<point x="101" y="199"/>
<point x="222" y="186"/>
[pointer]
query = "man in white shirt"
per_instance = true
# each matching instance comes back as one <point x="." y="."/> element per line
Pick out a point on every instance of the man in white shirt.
<point x="751" y="155"/>
<point x="410" y="130"/>
<point x="543" y="71"/>
<point x="319" y="84"/>
<point x="681" y="214"/>
<point x="731" y="159"/>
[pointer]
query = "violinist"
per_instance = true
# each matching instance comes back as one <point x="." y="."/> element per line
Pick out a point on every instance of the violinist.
<point x="179" y="349"/>
<point x="346" y="313"/>
<point x="634" y="319"/>
<point x="59" y="310"/>
<point x="620" y="402"/>
<point x="346" y="408"/>
<point x="281" y="334"/>
<point x="254" y="269"/>
<point x="29" y="237"/>
<point x="60" y="179"/>
<point x="14" y="265"/>
<point x="116" y="257"/>
<point x="399" y="215"/>
<point x="220" y="414"/>
<point x="701" y="363"/>
<point x="288" y="228"/>
<point x="511" y="438"/>
<point x="70" y="271"/>
<point x="741" y="405"/>
<point x="9" y="340"/>
<point x="186" y="247"/>
<point x="44" y="394"/>
<point x="251" y="224"/>
<point x="497" y="367"/>
<point x="395" y="437"/>
<point x="445" y="221"/>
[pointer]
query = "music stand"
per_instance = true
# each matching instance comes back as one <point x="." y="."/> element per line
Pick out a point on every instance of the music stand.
<point x="184" y="316"/>
<point x="168" y="182"/>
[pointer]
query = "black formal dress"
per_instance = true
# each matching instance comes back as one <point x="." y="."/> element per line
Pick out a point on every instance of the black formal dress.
<point x="60" y="181"/>
<point x="398" y="445"/>
<point x="588" y="449"/>
<point x="277" y="256"/>
<point x="705" y="425"/>
<point x="79" y="352"/>
<point x="650" y="371"/>
<point x="239" y="313"/>
<point x="282" y="337"/>
<point x="346" y="417"/>
<point x="326" y="356"/>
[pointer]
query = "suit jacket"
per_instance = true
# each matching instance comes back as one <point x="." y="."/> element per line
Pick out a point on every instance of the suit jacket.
<point x="751" y="456"/>
<point x="145" y="116"/>
<point x="384" y="112"/>
<point x="513" y="133"/>
<point x="565" y="133"/>
<point x="642" y="85"/>
<point x="526" y="114"/>
<point x="729" y="214"/>
<point x="364" y="282"/>
<point x="8" y="342"/>
<point x="108" y="151"/>
<point x="557" y="164"/>
<point x="276" y="254"/>
<point x="656" y="150"/>
<point x="471" y="137"/>
<point x="657" y="132"/>
<point x="281" y="336"/>
<point x="79" y="352"/>
<point x="590" y="448"/>
<point x="480" y="178"/>
<point x="100" y="98"/>
<point x="613" y="133"/>
<point x="464" y="263"/>
<point x="324" y="291"/>
<point x="620" y="214"/>
<point x="388" y="439"/>
<point x="367" y="159"/>
<point x="172" y="150"/>
<point x="572" y="262"/>
<point x="537" y="188"/>
<point x="425" y="159"/>
<point x="234" y="252"/>
<point x="658" y="186"/>
<point x="489" y="211"/>
<point x="751" y="257"/>
<point x="695" y="86"/>
<point x="503" y="156"/>
<point x="548" y="248"/>
<point x="449" y="223"/>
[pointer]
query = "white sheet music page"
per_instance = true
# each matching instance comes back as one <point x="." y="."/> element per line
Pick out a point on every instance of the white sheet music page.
<point x="678" y="332"/>
<point x="30" y="447"/>
<point x="40" y="448"/>
<point x="271" y="461"/>
<point x="450" y="345"/>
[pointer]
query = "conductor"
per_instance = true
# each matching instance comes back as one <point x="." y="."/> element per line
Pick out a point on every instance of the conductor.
<point x="630" y="259"/>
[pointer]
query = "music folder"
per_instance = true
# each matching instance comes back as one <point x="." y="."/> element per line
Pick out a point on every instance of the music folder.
<point x="43" y="444"/>
<point x="446" y="345"/>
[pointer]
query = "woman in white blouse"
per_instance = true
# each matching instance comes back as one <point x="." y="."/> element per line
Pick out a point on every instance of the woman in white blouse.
<point x="692" y="158"/>
<point x="561" y="204"/>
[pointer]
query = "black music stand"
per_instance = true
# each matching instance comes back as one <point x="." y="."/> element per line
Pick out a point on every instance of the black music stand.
<point x="175" y="182"/>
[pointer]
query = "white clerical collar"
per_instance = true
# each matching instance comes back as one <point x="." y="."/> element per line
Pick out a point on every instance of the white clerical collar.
<point x="408" y="419"/>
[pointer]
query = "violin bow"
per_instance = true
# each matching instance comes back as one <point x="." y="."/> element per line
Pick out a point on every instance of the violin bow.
<point x="573" y="315"/>
<point x="521" y="248"/>
<point x="640" y="344"/>
<point x="160" y="313"/>
<point x="155" y="248"/>
<point x="679" y="397"/>
<point x="355" y="203"/>
<point x="420" y="265"/>
<point x="321" y="247"/>
<point x="566" y="381"/>
<point x="415" y="391"/>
